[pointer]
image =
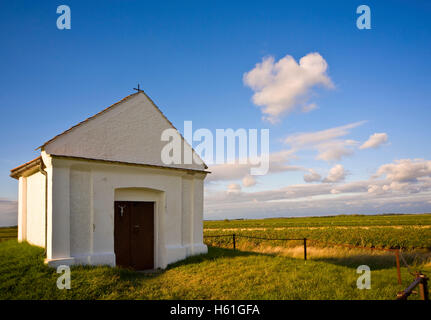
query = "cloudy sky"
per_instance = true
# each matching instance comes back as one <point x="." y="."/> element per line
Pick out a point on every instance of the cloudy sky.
<point x="348" y="110"/>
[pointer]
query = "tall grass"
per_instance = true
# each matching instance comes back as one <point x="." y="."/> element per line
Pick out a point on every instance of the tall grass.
<point x="396" y="235"/>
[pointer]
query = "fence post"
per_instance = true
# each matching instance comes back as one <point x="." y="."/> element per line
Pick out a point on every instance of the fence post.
<point x="305" y="249"/>
<point x="234" y="244"/>
<point x="423" y="287"/>
<point x="397" y="258"/>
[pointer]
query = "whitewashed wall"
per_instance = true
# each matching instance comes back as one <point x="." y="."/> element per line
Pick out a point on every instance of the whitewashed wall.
<point x="22" y="209"/>
<point x="81" y="215"/>
<point x="35" y="209"/>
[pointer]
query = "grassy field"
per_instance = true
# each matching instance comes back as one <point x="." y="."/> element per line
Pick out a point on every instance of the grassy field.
<point x="340" y="220"/>
<point x="220" y="274"/>
<point x="381" y="231"/>
<point x="261" y="270"/>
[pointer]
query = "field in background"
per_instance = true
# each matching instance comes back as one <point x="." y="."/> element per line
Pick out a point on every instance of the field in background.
<point x="379" y="231"/>
<point x="8" y="233"/>
<point x="339" y="220"/>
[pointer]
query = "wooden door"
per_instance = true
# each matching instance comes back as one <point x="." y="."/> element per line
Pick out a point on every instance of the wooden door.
<point x="134" y="234"/>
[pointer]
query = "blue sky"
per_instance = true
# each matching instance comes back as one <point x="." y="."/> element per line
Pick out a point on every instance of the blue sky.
<point x="190" y="57"/>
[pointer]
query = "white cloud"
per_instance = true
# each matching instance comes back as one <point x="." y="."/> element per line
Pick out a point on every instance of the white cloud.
<point x="375" y="141"/>
<point x="351" y="187"/>
<point x="233" y="188"/>
<point x="280" y="87"/>
<point x="405" y="170"/>
<point x="248" y="181"/>
<point x="403" y="176"/>
<point x="327" y="142"/>
<point x="334" y="150"/>
<point x="312" y="176"/>
<point x="307" y="139"/>
<point x="278" y="162"/>
<point x="309" y="107"/>
<point x="403" y="186"/>
<point x="365" y="203"/>
<point x="234" y="194"/>
<point x="336" y="174"/>
<point x="373" y="188"/>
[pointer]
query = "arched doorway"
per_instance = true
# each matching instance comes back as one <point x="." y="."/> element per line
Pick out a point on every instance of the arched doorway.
<point x="134" y="234"/>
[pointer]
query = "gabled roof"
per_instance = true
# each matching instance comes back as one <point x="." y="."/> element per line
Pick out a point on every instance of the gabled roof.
<point x="31" y="165"/>
<point x="113" y="106"/>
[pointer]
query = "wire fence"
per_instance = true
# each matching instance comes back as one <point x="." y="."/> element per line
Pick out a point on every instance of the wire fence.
<point x="397" y="252"/>
<point x="420" y="279"/>
<point x="235" y="236"/>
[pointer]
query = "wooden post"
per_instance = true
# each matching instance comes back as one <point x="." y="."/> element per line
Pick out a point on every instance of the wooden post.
<point x="423" y="287"/>
<point x="305" y="249"/>
<point x="234" y="244"/>
<point x="397" y="258"/>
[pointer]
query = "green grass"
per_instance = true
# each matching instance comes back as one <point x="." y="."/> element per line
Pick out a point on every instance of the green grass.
<point x="220" y="274"/>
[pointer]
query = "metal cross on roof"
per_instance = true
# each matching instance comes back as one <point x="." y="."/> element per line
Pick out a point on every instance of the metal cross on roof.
<point x="138" y="89"/>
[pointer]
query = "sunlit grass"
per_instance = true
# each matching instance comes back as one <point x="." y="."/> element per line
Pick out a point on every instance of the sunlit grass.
<point x="258" y="270"/>
<point x="220" y="274"/>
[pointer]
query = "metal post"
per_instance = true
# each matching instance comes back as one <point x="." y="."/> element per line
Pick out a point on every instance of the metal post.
<point x="397" y="258"/>
<point x="305" y="249"/>
<point x="234" y="244"/>
<point x="403" y="295"/>
<point x="423" y="287"/>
